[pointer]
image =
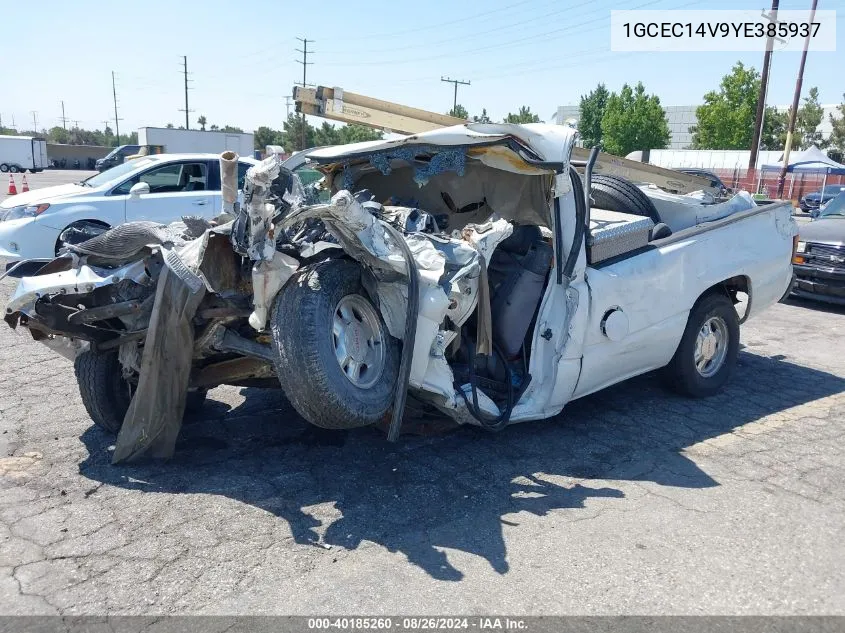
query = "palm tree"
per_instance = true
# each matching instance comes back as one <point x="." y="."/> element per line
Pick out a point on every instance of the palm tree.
<point x="202" y="122"/>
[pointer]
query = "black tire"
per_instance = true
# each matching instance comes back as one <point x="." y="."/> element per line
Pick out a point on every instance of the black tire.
<point x="14" y="169"/>
<point x="681" y="373"/>
<point x="105" y="393"/>
<point x="4" y="167"/>
<point x="617" y="194"/>
<point x="306" y="364"/>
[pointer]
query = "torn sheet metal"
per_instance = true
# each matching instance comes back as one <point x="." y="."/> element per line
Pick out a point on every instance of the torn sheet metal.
<point x="260" y="212"/>
<point x="74" y="281"/>
<point x="268" y="277"/>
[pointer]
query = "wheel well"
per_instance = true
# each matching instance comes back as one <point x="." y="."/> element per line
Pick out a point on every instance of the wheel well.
<point x="80" y="224"/>
<point x="731" y="288"/>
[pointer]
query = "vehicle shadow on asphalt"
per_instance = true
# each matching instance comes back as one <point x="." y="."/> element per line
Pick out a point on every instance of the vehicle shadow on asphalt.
<point x="455" y="490"/>
<point x="818" y="306"/>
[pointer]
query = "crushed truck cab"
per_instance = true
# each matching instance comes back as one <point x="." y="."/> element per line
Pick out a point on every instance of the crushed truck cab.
<point x="475" y="269"/>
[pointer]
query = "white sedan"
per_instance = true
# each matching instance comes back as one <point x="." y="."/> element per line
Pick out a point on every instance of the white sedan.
<point x="161" y="188"/>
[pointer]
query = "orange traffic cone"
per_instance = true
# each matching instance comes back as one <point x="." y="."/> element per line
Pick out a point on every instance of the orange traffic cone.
<point x="24" y="185"/>
<point x="12" y="189"/>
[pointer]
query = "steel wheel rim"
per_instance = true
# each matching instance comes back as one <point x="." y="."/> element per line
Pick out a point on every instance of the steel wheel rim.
<point x="358" y="341"/>
<point x="711" y="346"/>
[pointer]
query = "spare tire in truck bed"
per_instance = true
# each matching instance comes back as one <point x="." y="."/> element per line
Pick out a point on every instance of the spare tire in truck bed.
<point x="617" y="194"/>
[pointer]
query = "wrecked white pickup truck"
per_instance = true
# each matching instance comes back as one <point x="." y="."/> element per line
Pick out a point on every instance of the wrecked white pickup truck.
<point x="465" y="268"/>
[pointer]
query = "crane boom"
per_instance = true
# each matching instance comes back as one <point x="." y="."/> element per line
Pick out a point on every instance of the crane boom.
<point x="338" y="104"/>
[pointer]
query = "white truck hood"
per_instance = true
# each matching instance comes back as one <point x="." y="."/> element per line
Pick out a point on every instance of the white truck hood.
<point x="47" y="194"/>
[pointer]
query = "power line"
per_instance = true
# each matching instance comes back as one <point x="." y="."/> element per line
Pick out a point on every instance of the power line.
<point x="477" y="34"/>
<point x="456" y="82"/>
<point x="305" y="64"/>
<point x="517" y="42"/>
<point x="186" y="110"/>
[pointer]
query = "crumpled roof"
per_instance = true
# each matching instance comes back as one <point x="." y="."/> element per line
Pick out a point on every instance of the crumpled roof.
<point x="547" y="142"/>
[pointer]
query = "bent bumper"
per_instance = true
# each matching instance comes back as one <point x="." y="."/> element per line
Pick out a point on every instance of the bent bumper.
<point x="822" y="284"/>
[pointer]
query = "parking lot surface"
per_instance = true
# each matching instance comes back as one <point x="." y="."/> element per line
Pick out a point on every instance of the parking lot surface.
<point x="632" y="501"/>
<point x="46" y="178"/>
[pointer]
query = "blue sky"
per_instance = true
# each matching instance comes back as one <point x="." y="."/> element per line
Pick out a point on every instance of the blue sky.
<point x="542" y="53"/>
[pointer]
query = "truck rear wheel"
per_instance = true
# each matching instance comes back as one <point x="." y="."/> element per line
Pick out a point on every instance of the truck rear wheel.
<point x="4" y="167"/>
<point x="708" y="349"/>
<point x="14" y="169"/>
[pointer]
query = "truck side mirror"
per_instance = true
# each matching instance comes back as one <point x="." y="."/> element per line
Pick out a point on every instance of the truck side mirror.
<point x="139" y="189"/>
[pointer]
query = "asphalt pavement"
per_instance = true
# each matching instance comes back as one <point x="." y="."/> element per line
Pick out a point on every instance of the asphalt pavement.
<point x="632" y="501"/>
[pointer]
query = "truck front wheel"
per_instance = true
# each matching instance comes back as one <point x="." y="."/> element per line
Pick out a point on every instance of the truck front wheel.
<point x="708" y="349"/>
<point x="336" y="360"/>
<point x="106" y="392"/>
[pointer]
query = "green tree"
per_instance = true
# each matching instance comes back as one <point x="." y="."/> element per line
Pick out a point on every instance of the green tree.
<point x="633" y="120"/>
<point x="214" y="127"/>
<point x="837" y="136"/>
<point x="523" y="116"/>
<point x="292" y="134"/>
<point x="726" y="120"/>
<point x="808" y="119"/>
<point x="591" y="112"/>
<point x="482" y="118"/>
<point x="265" y="136"/>
<point x="459" y="112"/>
<point x="202" y="121"/>
<point x="326" y="134"/>
<point x="58" y="134"/>
<point x="353" y="133"/>
<point x="233" y="129"/>
<point x="169" y="126"/>
<point x="774" y="129"/>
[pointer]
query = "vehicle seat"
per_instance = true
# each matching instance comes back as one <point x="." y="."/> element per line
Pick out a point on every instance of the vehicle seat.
<point x="517" y="275"/>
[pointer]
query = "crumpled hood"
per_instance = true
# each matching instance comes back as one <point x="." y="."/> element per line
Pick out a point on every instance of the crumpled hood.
<point x="829" y="231"/>
<point x="47" y="194"/>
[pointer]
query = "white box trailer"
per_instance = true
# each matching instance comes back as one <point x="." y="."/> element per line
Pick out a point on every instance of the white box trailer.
<point x="191" y="141"/>
<point x="22" y="153"/>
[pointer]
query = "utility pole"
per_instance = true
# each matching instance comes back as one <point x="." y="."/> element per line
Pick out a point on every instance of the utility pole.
<point x="795" y="99"/>
<point x="764" y="89"/>
<point x="186" y="110"/>
<point x="116" y="120"/>
<point x="64" y="119"/>
<point x="305" y="64"/>
<point x="288" y="104"/>
<point x="456" y="82"/>
<point x="34" y="120"/>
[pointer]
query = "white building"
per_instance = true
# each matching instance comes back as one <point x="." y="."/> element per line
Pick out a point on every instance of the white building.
<point x="681" y="118"/>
